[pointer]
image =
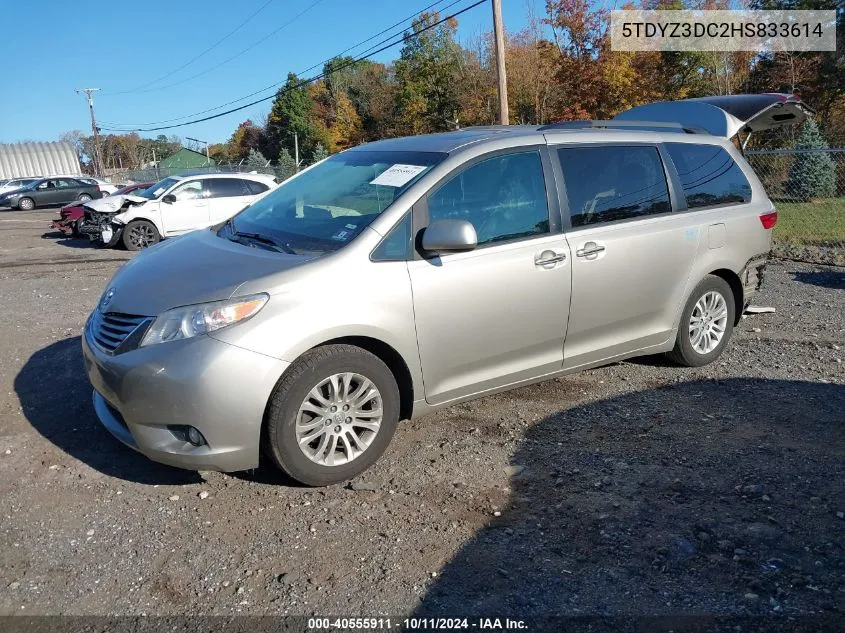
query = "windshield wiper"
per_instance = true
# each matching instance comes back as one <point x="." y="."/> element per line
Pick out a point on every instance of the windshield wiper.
<point x="260" y="238"/>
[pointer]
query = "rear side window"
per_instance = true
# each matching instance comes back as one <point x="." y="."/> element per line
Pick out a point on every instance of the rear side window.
<point x="709" y="176"/>
<point x="225" y="187"/>
<point x="606" y="184"/>
<point x="254" y="187"/>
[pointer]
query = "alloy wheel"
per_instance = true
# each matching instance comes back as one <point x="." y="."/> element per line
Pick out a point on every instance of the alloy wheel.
<point x="708" y="322"/>
<point x="339" y="419"/>
<point x="141" y="235"/>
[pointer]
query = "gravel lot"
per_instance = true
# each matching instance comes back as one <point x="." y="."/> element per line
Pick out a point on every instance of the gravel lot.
<point x="639" y="488"/>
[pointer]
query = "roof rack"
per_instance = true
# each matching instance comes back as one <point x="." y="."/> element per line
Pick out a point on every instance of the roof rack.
<point x="630" y="125"/>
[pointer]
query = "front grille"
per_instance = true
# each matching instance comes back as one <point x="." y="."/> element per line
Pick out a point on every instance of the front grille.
<point x="110" y="330"/>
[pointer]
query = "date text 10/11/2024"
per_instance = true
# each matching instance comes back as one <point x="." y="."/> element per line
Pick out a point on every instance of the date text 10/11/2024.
<point x="415" y="624"/>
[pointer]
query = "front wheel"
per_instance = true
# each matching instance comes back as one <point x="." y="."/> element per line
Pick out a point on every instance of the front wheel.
<point x="332" y="415"/>
<point x="706" y="323"/>
<point x="26" y="204"/>
<point x="139" y="234"/>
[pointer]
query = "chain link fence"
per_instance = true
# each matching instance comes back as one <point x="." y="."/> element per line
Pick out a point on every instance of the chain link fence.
<point x="807" y="187"/>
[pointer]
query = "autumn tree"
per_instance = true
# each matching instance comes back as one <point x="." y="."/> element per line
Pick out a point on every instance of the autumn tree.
<point x="531" y="65"/>
<point x="246" y="137"/>
<point x="373" y="93"/>
<point x="578" y="31"/>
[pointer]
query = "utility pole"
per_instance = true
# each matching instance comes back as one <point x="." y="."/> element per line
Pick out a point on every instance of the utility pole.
<point x="499" y="41"/>
<point x="98" y="160"/>
<point x="196" y="140"/>
<point x="296" y="149"/>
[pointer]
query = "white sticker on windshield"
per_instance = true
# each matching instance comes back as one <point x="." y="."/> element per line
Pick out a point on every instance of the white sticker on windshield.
<point x="397" y="175"/>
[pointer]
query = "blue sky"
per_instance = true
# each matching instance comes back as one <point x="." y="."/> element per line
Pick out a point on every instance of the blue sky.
<point x="62" y="45"/>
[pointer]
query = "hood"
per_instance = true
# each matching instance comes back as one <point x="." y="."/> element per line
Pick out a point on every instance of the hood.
<point x="113" y="204"/>
<point x="194" y="268"/>
<point x="725" y="115"/>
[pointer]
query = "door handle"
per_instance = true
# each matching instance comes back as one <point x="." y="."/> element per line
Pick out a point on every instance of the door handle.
<point x="547" y="258"/>
<point x="590" y="249"/>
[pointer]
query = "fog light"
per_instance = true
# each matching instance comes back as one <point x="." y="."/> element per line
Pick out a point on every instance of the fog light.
<point x="195" y="437"/>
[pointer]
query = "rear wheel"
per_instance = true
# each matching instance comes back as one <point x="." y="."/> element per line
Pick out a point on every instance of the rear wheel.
<point x="332" y="415"/>
<point x="84" y="197"/>
<point x="26" y="204"/>
<point x="139" y="234"/>
<point x="706" y="323"/>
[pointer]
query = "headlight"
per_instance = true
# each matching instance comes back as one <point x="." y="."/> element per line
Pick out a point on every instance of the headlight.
<point x="202" y="318"/>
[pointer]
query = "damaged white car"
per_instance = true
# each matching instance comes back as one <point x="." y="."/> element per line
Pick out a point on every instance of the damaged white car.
<point x="171" y="207"/>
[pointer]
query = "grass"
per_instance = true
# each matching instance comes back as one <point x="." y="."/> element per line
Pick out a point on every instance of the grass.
<point x="816" y="222"/>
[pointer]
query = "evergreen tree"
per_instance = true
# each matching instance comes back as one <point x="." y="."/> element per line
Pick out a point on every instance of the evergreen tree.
<point x="320" y="153"/>
<point x="255" y="161"/>
<point x="287" y="165"/>
<point x="813" y="174"/>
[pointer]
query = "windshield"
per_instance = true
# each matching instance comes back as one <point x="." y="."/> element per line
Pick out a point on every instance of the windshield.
<point x="157" y="189"/>
<point x="324" y="208"/>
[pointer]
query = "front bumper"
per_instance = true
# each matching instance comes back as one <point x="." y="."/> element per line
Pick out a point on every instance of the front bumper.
<point x="219" y="389"/>
<point x="94" y="233"/>
<point x="63" y="225"/>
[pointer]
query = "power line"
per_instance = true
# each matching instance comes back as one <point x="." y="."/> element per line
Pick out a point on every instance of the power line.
<point x="304" y="82"/>
<point x="302" y="72"/>
<point x="226" y="61"/>
<point x="207" y="50"/>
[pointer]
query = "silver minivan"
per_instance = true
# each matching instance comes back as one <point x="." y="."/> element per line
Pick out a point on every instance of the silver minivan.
<point x="409" y="274"/>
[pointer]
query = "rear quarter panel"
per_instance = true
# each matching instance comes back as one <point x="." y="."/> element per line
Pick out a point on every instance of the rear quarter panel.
<point x="731" y="235"/>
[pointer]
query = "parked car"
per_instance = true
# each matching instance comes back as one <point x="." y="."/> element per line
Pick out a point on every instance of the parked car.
<point x="409" y="274"/>
<point x="14" y="184"/>
<point x="73" y="214"/>
<point x="173" y="206"/>
<point x="47" y="192"/>
<point x="106" y="188"/>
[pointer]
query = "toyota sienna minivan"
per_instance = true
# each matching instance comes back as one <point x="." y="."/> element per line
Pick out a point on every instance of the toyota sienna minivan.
<point x="409" y="274"/>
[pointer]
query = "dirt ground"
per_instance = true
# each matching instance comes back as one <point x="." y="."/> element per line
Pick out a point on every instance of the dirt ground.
<point x="635" y="489"/>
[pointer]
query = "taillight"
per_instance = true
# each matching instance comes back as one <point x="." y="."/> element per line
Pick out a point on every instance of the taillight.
<point x="768" y="220"/>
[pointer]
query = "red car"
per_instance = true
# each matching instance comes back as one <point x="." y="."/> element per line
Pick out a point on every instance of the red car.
<point x="73" y="214"/>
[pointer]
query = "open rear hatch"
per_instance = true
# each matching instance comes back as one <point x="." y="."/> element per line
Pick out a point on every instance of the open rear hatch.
<point x="726" y="115"/>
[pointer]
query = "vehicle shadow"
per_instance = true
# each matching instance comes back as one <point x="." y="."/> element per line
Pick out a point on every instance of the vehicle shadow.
<point x="834" y="279"/>
<point x="55" y="396"/>
<point x="702" y="498"/>
<point x="78" y="242"/>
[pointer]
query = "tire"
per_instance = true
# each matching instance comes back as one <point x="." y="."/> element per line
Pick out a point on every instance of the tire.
<point x="309" y="374"/>
<point x="26" y="204"/>
<point x="84" y="197"/>
<point x="709" y="309"/>
<point x="77" y="226"/>
<point x="140" y="234"/>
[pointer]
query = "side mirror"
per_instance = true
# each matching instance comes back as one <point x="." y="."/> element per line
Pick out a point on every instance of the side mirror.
<point x="449" y="236"/>
<point x="169" y="198"/>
